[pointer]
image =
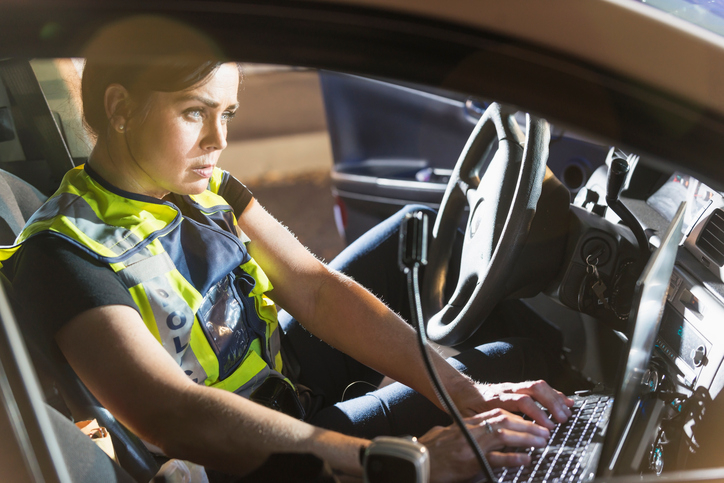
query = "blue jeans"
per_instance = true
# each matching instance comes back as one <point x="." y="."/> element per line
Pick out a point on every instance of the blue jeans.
<point x="345" y="391"/>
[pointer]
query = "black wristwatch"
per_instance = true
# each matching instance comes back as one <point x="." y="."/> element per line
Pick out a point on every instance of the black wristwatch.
<point x="398" y="460"/>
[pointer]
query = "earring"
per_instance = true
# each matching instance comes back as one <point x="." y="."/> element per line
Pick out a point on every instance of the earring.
<point x="121" y="127"/>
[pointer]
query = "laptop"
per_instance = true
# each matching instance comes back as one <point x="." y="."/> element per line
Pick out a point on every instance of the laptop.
<point x="593" y="441"/>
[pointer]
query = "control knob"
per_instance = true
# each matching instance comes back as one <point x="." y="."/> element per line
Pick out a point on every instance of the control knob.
<point x="698" y="356"/>
<point x="650" y="380"/>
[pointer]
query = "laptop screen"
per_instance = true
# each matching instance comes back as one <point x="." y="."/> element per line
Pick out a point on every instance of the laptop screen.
<point x="644" y="320"/>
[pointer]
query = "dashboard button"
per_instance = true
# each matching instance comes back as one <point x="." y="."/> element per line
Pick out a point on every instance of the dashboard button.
<point x="691" y="302"/>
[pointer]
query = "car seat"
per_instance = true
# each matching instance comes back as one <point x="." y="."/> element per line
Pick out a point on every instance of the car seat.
<point x="62" y="387"/>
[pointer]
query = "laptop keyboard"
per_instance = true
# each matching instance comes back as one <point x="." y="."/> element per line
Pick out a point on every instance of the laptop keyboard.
<point x="562" y="459"/>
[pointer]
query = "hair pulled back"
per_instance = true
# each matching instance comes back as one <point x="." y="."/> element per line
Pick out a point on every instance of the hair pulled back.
<point x="144" y="55"/>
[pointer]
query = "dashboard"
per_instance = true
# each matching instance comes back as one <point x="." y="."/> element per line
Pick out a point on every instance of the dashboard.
<point x="684" y="376"/>
<point x="690" y="324"/>
<point x="691" y="338"/>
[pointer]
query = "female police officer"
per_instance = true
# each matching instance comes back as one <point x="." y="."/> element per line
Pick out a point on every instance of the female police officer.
<point x="163" y="269"/>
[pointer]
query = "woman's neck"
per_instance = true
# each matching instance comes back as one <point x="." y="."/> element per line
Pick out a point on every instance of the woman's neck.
<point x="117" y="169"/>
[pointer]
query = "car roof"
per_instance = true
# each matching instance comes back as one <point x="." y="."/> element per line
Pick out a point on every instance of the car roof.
<point x="623" y="36"/>
<point x="618" y="71"/>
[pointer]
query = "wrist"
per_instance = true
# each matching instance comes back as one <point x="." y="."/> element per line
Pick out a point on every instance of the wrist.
<point x="340" y="451"/>
<point x="461" y="385"/>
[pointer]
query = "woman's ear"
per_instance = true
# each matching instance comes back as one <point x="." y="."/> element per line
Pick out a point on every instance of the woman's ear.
<point x="116" y="102"/>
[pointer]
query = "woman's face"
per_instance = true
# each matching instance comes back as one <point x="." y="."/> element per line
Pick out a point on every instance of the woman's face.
<point x="176" y="146"/>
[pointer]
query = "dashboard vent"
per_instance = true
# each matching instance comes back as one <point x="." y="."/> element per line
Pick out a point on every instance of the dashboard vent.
<point x="711" y="239"/>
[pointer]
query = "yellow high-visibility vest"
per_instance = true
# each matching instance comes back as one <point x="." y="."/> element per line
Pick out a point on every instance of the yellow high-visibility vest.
<point x="186" y="266"/>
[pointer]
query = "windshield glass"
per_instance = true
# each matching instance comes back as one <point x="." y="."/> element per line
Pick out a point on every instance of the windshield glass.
<point x="704" y="13"/>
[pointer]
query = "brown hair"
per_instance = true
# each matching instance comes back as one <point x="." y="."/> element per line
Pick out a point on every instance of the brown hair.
<point x="144" y="55"/>
<point x="140" y="81"/>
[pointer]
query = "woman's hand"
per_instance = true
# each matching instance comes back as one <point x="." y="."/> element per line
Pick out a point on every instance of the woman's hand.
<point x="522" y="397"/>
<point x="452" y="459"/>
<point x="514" y="397"/>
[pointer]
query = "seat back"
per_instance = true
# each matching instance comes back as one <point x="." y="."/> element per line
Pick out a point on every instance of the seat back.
<point x="18" y="201"/>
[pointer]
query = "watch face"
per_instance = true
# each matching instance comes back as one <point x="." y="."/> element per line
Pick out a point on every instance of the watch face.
<point x="389" y="469"/>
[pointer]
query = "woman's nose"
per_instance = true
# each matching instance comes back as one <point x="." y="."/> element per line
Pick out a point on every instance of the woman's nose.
<point x="215" y="136"/>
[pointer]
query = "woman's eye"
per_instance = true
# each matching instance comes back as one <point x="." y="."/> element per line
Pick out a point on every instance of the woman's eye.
<point x="194" y="114"/>
<point x="228" y="115"/>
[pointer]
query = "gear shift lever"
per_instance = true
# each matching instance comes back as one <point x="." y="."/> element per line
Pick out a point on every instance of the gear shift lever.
<point x="617" y="173"/>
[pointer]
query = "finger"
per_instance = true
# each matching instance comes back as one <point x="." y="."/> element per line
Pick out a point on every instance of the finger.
<point x="520" y="425"/>
<point x="556" y="403"/>
<point x="553" y="400"/>
<point x="568" y="401"/>
<point x="497" y="459"/>
<point x="501" y="437"/>
<point x="493" y="414"/>
<point x="515" y="439"/>
<point x="509" y="422"/>
<point x="525" y="404"/>
<point x="479" y="418"/>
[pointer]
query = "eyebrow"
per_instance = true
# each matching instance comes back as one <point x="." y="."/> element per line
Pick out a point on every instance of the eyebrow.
<point x="206" y="101"/>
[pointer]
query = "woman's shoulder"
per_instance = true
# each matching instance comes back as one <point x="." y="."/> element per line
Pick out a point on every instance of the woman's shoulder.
<point x="235" y="193"/>
<point x="51" y="249"/>
<point x="50" y="259"/>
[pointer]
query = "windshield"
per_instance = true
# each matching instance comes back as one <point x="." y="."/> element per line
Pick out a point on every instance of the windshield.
<point x="704" y="13"/>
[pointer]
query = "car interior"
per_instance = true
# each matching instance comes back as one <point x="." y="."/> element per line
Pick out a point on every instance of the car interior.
<point x="601" y="213"/>
<point x="588" y="293"/>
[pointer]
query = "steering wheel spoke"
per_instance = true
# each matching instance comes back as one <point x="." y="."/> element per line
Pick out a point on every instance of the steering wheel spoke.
<point x="500" y="203"/>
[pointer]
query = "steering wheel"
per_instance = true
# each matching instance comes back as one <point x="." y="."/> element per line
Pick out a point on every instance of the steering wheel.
<point x="502" y="204"/>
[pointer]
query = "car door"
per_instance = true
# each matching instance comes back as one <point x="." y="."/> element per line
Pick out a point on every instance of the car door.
<point x="395" y="144"/>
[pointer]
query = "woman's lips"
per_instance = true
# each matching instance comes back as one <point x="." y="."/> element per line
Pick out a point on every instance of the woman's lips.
<point x="204" y="171"/>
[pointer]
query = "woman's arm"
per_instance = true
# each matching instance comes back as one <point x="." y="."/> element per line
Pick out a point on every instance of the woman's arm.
<point x="337" y="309"/>
<point x="131" y="374"/>
<point x="347" y="316"/>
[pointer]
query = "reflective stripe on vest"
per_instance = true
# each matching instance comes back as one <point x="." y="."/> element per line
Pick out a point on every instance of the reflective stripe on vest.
<point x="198" y="291"/>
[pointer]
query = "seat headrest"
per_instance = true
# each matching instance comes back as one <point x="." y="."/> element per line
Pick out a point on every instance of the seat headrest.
<point x="18" y="201"/>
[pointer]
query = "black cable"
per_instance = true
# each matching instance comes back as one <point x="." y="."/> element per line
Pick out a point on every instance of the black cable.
<point x="440" y="392"/>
